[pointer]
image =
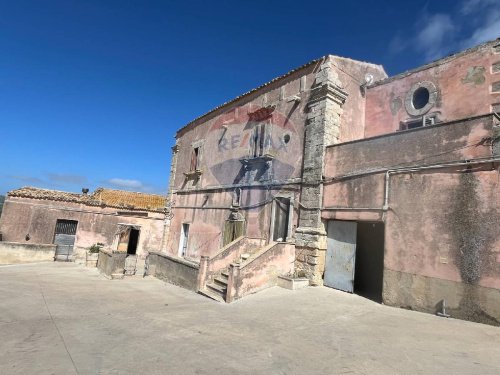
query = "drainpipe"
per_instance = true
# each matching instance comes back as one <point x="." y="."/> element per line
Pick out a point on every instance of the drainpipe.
<point x="388" y="173"/>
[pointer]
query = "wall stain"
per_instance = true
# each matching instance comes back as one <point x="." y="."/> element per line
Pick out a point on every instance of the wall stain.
<point x="475" y="75"/>
<point x="473" y="236"/>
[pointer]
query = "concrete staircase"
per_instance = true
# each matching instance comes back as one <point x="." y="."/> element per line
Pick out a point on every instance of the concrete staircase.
<point x="216" y="289"/>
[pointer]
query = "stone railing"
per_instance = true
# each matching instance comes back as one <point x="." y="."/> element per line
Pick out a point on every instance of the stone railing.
<point x="260" y="271"/>
<point x="209" y="266"/>
<point x="174" y="270"/>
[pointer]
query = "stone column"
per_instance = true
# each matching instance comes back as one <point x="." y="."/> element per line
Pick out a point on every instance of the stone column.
<point x="322" y="129"/>
<point x="170" y="200"/>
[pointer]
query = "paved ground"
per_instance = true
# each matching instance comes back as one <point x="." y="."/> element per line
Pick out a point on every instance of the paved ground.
<point x="66" y="319"/>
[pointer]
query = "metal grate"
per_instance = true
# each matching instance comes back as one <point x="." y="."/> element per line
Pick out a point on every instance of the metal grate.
<point x="66" y="227"/>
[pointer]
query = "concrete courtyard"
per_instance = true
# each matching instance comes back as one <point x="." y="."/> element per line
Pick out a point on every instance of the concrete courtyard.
<point x="58" y="318"/>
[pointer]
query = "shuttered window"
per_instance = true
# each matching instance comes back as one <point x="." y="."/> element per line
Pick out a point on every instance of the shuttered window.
<point x="233" y="230"/>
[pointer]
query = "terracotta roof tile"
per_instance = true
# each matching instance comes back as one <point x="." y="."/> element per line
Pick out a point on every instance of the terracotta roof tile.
<point x="46" y="194"/>
<point x="129" y="199"/>
<point x="100" y="197"/>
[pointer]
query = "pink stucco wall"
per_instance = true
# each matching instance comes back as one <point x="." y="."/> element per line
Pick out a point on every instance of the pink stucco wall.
<point x="22" y="216"/>
<point x="463" y="81"/>
<point x="424" y="207"/>
<point x="224" y="139"/>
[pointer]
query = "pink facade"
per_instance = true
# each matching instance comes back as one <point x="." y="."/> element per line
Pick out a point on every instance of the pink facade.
<point x="33" y="220"/>
<point x="464" y="83"/>
<point x="408" y="165"/>
<point x="227" y="159"/>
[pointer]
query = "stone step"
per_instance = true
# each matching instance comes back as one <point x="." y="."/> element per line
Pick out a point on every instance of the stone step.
<point x="213" y="295"/>
<point x="225" y="274"/>
<point x="217" y="288"/>
<point x="222" y="281"/>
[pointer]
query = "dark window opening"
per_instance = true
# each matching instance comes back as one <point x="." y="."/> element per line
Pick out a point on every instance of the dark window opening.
<point x="286" y="138"/>
<point x="236" y="197"/>
<point x="195" y="159"/>
<point x="133" y="241"/>
<point x="258" y="140"/>
<point x="420" y="98"/>
<point x="281" y="217"/>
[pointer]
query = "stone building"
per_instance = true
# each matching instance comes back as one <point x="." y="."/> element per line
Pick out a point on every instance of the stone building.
<point x="382" y="186"/>
<point x="65" y="225"/>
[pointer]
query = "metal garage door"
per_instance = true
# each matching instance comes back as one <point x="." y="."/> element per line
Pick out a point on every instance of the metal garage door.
<point x="340" y="255"/>
<point x="64" y="238"/>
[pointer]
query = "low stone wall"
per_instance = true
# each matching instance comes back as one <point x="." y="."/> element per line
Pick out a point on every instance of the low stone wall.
<point x="463" y="301"/>
<point x="18" y="252"/>
<point x="261" y="271"/>
<point x="173" y="270"/>
<point x="111" y="263"/>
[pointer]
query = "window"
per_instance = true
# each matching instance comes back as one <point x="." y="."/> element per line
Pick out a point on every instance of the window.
<point x="420" y="98"/>
<point x="66" y="227"/>
<point x="183" y="243"/>
<point x="195" y="159"/>
<point x="418" y="123"/>
<point x="233" y="230"/>
<point x="260" y="140"/>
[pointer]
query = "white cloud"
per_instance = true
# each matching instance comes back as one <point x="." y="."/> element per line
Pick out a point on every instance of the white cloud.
<point x="471" y="6"/>
<point x="126" y="184"/>
<point x="488" y="30"/>
<point x="433" y="40"/>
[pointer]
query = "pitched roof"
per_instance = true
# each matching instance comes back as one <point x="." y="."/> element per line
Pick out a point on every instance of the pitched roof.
<point x="281" y="77"/>
<point x="437" y="62"/>
<point x="122" y="198"/>
<point x="46" y="194"/>
<point x="100" y="197"/>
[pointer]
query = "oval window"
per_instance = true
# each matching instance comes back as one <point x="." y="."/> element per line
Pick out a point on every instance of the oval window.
<point x="420" y="98"/>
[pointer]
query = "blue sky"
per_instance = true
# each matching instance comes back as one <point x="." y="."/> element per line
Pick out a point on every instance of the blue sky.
<point x="91" y="92"/>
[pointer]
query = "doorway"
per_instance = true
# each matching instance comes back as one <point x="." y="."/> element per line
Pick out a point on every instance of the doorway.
<point x="355" y="258"/>
<point x="128" y="242"/>
<point x="183" y="243"/>
<point x="280" y="224"/>
<point x="64" y="239"/>
<point x="133" y="240"/>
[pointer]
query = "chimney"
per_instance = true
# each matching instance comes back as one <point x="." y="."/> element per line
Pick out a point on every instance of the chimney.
<point x="85" y="191"/>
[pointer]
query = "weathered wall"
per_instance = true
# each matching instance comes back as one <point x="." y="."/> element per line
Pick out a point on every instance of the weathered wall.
<point x="261" y="270"/>
<point x="14" y="252"/>
<point x="207" y="223"/>
<point x="225" y="138"/>
<point x="174" y="270"/>
<point x="441" y="224"/>
<point x="463" y="82"/>
<point x="111" y="263"/>
<point x="22" y="216"/>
